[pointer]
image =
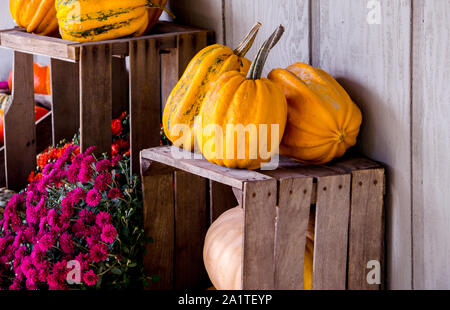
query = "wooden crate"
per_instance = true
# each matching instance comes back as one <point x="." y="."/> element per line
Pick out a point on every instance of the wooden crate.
<point x="89" y="86"/>
<point x="183" y="197"/>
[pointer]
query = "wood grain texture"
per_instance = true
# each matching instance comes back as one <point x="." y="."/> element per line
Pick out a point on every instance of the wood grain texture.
<point x="96" y="97"/>
<point x="294" y="201"/>
<point x="366" y="235"/>
<point x="65" y="99"/>
<point x="159" y="214"/>
<point x="294" y="46"/>
<point x="205" y="14"/>
<point x="121" y="86"/>
<point x="169" y="73"/>
<point x="40" y="45"/>
<point x="372" y="62"/>
<point x="431" y="145"/>
<point x="331" y="233"/>
<point x="145" y="97"/>
<point x="221" y="199"/>
<point x="186" y="161"/>
<point x="260" y="199"/>
<point x="20" y="141"/>
<point x="190" y="231"/>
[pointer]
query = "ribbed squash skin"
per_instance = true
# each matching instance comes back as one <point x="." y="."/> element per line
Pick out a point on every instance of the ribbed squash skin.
<point x="97" y="20"/>
<point x="36" y="16"/>
<point x="42" y="79"/>
<point x="222" y="252"/>
<point x="186" y="99"/>
<point x="323" y="121"/>
<point x="235" y="100"/>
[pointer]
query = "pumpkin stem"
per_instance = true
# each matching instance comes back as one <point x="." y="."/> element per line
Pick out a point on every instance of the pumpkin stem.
<point x="150" y="4"/>
<point x="257" y="67"/>
<point x="247" y="43"/>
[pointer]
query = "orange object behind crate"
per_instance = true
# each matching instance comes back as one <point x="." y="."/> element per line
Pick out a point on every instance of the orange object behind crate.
<point x="42" y="80"/>
<point x="39" y="113"/>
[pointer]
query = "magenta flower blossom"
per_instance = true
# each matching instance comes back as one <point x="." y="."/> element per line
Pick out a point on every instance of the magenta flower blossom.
<point x="103" y="165"/>
<point x="93" y="198"/>
<point x="102" y="181"/>
<point x="98" y="253"/>
<point x="90" y="278"/>
<point x="46" y="242"/>
<point x="109" y="234"/>
<point x="103" y="218"/>
<point x="57" y="220"/>
<point x="114" y="193"/>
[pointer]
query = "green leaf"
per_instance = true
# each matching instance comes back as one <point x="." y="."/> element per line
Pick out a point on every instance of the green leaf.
<point x="116" y="271"/>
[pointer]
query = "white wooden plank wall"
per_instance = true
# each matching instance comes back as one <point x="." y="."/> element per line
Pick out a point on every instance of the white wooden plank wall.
<point x="431" y="144"/>
<point x="241" y="15"/>
<point x="372" y="62"/>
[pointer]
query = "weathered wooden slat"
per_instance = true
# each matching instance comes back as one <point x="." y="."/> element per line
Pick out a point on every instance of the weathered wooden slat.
<point x="40" y="45"/>
<point x="96" y="97"/>
<point x="169" y="73"/>
<point x="145" y="98"/>
<point x="294" y="14"/>
<point x="183" y="160"/>
<point x="221" y="199"/>
<point x="159" y="214"/>
<point x="121" y="86"/>
<point x="294" y="201"/>
<point x="190" y="230"/>
<point x="65" y="100"/>
<point x="258" y="270"/>
<point x="366" y="235"/>
<point x="20" y="141"/>
<point x="331" y="232"/>
<point x="363" y="47"/>
<point x="431" y="146"/>
<point x="44" y="137"/>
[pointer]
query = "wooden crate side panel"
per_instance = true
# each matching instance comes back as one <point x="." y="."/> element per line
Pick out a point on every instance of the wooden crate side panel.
<point x="240" y="16"/>
<point x="145" y="97"/>
<point x="294" y="200"/>
<point x="331" y="232"/>
<point x="366" y="235"/>
<point x="169" y="73"/>
<point x="65" y="99"/>
<point x="20" y="141"/>
<point x="195" y="164"/>
<point x="221" y="199"/>
<point x="190" y="230"/>
<point x="372" y="62"/>
<point x="431" y="145"/>
<point x="260" y="199"/>
<point x="96" y="98"/>
<point x="159" y="219"/>
<point x="121" y="86"/>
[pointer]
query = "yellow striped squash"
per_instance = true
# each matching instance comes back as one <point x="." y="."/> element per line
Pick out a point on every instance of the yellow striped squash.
<point x="186" y="99"/>
<point x="98" y="20"/>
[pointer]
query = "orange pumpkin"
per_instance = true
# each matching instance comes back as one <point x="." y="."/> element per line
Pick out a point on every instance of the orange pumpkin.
<point x="243" y="119"/>
<point x="39" y="113"/>
<point x="42" y="80"/>
<point x="323" y="121"/>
